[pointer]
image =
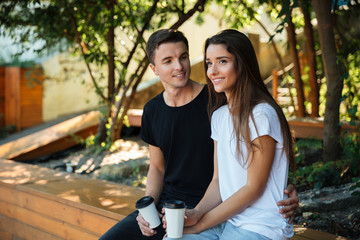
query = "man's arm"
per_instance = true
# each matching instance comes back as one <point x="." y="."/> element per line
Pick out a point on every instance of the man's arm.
<point x="155" y="177"/>
<point x="290" y="205"/>
<point x="154" y="184"/>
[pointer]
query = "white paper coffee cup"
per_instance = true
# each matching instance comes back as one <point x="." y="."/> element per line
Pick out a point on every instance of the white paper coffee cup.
<point x="147" y="209"/>
<point x="174" y="214"/>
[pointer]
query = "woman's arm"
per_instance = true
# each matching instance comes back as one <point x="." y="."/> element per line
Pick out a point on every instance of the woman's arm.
<point x="257" y="176"/>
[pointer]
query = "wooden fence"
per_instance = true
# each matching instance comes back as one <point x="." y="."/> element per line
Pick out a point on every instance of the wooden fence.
<point x="21" y="93"/>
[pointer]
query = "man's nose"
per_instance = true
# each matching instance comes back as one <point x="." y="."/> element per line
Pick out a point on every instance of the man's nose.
<point x="178" y="65"/>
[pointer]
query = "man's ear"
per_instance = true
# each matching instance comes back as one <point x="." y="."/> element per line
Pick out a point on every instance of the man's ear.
<point x="152" y="66"/>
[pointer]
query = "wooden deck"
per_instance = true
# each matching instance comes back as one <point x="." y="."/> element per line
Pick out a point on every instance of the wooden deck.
<point x="43" y="204"/>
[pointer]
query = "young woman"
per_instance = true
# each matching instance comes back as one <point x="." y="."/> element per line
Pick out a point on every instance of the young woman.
<point x="253" y="149"/>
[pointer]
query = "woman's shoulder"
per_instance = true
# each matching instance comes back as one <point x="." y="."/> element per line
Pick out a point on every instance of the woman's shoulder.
<point x="221" y="110"/>
<point x="263" y="108"/>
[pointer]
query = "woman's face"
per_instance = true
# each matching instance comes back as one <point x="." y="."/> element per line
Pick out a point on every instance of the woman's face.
<point x="221" y="68"/>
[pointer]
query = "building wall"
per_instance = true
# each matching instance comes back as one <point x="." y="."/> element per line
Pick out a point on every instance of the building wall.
<point x="67" y="87"/>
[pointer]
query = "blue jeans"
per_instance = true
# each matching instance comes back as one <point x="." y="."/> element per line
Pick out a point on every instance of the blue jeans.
<point x="224" y="231"/>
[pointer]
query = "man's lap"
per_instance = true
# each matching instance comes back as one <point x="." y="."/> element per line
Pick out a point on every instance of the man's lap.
<point x="128" y="229"/>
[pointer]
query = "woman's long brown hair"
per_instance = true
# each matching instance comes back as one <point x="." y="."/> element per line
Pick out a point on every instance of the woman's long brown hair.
<point x="249" y="90"/>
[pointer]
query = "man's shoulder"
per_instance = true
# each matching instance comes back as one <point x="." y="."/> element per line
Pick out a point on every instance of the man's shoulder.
<point x="155" y="101"/>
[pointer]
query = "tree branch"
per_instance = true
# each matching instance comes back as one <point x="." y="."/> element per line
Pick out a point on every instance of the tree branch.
<point x="198" y="7"/>
<point x="80" y="43"/>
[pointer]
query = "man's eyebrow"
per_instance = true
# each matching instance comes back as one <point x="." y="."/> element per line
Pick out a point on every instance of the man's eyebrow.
<point x="166" y="58"/>
<point x="170" y="57"/>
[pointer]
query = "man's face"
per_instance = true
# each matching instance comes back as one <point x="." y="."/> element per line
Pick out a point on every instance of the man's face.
<point x="172" y="64"/>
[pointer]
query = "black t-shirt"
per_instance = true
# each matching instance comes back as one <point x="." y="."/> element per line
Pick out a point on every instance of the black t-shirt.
<point x="183" y="135"/>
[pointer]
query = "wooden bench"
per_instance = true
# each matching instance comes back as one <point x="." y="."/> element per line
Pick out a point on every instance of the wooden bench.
<point x="39" y="203"/>
<point x="44" y="204"/>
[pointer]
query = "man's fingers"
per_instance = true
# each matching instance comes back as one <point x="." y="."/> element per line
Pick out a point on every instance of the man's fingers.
<point x="288" y="202"/>
<point x="291" y="219"/>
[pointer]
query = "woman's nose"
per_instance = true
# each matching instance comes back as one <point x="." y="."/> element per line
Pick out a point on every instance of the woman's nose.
<point x="213" y="70"/>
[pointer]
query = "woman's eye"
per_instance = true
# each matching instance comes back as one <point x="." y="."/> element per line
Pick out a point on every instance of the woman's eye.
<point x="222" y="61"/>
<point x="208" y="64"/>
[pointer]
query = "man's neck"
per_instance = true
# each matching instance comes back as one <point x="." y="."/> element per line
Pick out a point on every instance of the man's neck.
<point x="177" y="97"/>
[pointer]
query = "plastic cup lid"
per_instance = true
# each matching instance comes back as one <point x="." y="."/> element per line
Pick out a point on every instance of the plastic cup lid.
<point x="144" y="202"/>
<point x="174" y="204"/>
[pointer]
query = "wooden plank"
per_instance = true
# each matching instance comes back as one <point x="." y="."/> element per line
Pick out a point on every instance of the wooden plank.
<point x="45" y="223"/>
<point x="134" y="116"/>
<point x="12" y="97"/>
<point x="312" y="127"/>
<point x="19" y="230"/>
<point x="97" y="193"/>
<point x="31" y="90"/>
<point x="75" y="201"/>
<point x="58" y="137"/>
<point x="2" y="97"/>
<point x="56" y="146"/>
<point x="77" y="215"/>
<point x="42" y="138"/>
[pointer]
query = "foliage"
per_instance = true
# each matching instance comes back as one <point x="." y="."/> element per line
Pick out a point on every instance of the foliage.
<point x="106" y="34"/>
<point x="350" y="142"/>
<point x="356" y="187"/>
<point x="315" y="173"/>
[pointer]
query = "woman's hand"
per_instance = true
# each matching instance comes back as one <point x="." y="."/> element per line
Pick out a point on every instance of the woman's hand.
<point x="192" y="216"/>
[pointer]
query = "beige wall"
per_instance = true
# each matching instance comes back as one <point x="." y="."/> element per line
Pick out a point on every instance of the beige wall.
<point x="67" y="87"/>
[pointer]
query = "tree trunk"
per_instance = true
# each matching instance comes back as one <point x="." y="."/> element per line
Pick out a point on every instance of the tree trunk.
<point x="334" y="82"/>
<point x="310" y="55"/>
<point x="111" y="78"/>
<point x="111" y="63"/>
<point x="297" y="74"/>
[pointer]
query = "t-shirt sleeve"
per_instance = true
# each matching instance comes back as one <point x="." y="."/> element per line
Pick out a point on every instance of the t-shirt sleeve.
<point x="267" y="123"/>
<point x="146" y="131"/>
<point x="214" y="126"/>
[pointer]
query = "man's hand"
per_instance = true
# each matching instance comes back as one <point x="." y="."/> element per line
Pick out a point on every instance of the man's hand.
<point x="289" y="205"/>
<point x="144" y="226"/>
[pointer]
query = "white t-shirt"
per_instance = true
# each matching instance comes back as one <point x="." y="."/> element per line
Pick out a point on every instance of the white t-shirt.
<point x="263" y="215"/>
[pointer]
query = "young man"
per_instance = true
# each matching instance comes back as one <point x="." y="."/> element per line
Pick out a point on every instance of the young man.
<point x="176" y="126"/>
